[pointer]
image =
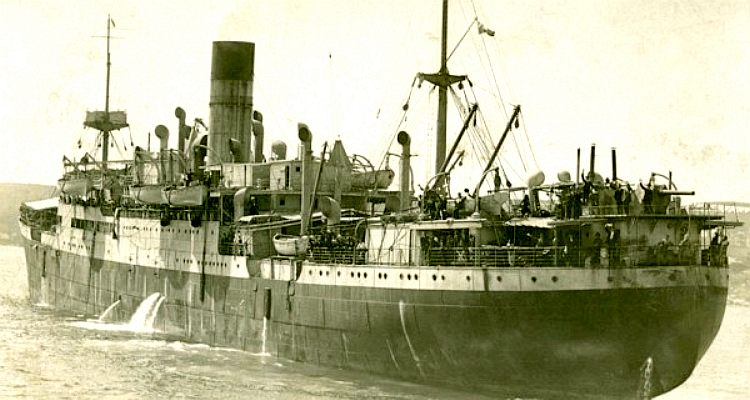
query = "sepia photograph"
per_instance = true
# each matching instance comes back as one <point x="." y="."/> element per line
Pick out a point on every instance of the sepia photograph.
<point x="375" y="199"/>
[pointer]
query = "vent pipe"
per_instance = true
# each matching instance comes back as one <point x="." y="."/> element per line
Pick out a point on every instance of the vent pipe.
<point x="162" y="133"/>
<point x="258" y="133"/>
<point x="404" y="182"/>
<point x="181" y="136"/>
<point x="591" y="163"/>
<point x="278" y="150"/>
<point x="305" y="137"/>
<point x="614" y="164"/>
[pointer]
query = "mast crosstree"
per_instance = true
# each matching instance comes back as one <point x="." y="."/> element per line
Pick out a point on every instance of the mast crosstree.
<point x="104" y="121"/>
<point x="442" y="79"/>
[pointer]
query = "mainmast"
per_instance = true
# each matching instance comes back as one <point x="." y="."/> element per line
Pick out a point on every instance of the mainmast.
<point x="442" y="79"/>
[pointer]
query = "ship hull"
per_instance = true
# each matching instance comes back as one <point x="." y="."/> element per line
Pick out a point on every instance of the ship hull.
<point x="547" y="344"/>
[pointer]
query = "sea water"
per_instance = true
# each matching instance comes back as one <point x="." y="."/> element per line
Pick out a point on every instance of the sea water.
<point x="45" y="354"/>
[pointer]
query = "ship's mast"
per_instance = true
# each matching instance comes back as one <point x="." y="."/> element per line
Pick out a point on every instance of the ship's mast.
<point x="103" y="121"/>
<point x="106" y="125"/>
<point x="442" y="79"/>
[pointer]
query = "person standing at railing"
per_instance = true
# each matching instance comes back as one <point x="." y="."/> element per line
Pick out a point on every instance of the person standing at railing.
<point x="723" y="250"/>
<point x="713" y="249"/>
<point x="596" y="248"/>
<point x="648" y="197"/>
<point x="613" y="245"/>
<point x="626" y="198"/>
<point x="525" y="206"/>
<point x="683" y="246"/>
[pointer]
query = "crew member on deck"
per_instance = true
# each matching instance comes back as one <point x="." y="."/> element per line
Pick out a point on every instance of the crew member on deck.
<point x="723" y="250"/>
<point x="525" y="206"/>
<point x="713" y="249"/>
<point x="596" y="248"/>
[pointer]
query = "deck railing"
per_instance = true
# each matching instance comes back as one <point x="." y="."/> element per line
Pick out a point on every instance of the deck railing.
<point x="626" y="256"/>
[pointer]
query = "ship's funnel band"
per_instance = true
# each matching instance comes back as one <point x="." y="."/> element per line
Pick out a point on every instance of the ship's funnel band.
<point x="244" y="101"/>
<point x="233" y="61"/>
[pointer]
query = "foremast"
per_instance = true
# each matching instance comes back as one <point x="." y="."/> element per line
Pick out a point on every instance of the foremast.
<point x="106" y="130"/>
<point x="104" y="121"/>
<point x="442" y="79"/>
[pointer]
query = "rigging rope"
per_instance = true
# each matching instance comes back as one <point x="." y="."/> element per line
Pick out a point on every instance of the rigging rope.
<point x="384" y="154"/>
<point x="461" y="40"/>
<point x="497" y="95"/>
<point x="528" y="140"/>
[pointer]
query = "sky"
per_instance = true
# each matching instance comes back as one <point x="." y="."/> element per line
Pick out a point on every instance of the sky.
<point x="665" y="82"/>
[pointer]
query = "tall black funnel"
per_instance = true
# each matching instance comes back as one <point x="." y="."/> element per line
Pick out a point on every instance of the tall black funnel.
<point x="231" y="103"/>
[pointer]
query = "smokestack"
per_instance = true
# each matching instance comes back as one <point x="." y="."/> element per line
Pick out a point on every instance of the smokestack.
<point x="305" y="136"/>
<point x="404" y="192"/>
<point x="180" y="114"/>
<point x="231" y="101"/>
<point x="614" y="164"/>
<point x="578" y="166"/>
<point x="258" y="133"/>
<point x="591" y="163"/>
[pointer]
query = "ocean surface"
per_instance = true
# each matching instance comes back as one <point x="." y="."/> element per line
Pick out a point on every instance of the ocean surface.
<point x="44" y="354"/>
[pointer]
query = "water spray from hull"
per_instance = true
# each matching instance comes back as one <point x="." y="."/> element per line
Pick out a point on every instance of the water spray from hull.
<point x="105" y="314"/>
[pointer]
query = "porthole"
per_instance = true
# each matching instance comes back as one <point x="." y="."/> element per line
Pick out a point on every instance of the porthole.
<point x="328" y="273"/>
<point x="468" y="278"/>
<point x="400" y="276"/>
<point x="309" y="272"/>
<point x="408" y="276"/>
<point x="380" y="275"/>
<point x="554" y="279"/>
<point x="416" y="277"/>
<point x="365" y="275"/>
<point x="442" y="277"/>
<point x="533" y="278"/>
<point x="338" y="273"/>
<point x="352" y="274"/>
<point x="434" y="277"/>
<point x="499" y="278"/>
<point x="385" y="276"/>
<point x="320" y="273"/>
<point x="359" y="275"/>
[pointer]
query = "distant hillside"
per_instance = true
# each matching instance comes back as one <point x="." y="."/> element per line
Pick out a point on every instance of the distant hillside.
<point x="12" y="195"/>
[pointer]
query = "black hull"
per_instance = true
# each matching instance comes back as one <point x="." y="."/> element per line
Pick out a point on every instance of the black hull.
<point x="544" y="343"/>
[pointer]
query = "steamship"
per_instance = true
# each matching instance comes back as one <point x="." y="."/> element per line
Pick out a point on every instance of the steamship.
<point x="586" y="285"/>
